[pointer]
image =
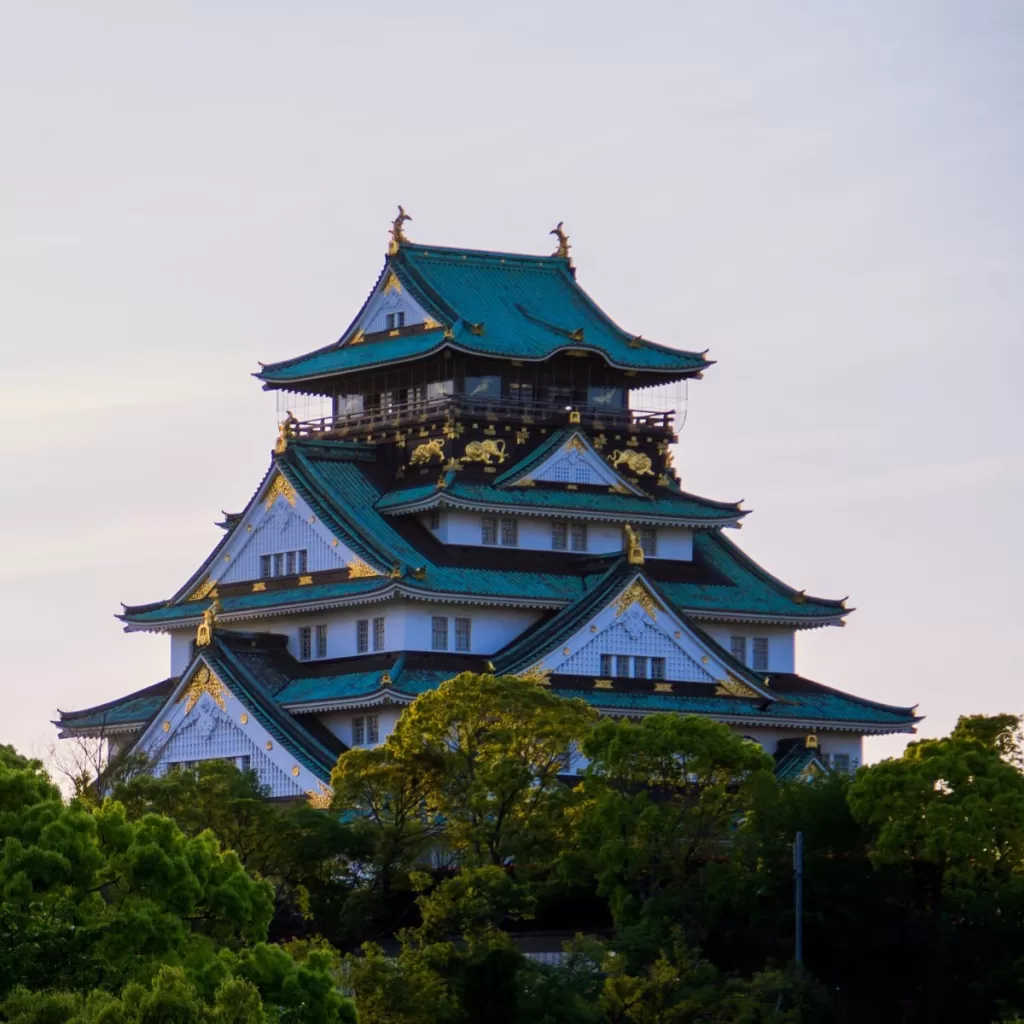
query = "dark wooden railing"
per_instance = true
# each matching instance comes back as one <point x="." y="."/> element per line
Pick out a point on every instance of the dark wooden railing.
<point x="412" y="414"/>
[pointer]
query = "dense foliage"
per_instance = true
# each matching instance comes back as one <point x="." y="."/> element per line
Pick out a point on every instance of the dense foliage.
<point x="471" y="833"/>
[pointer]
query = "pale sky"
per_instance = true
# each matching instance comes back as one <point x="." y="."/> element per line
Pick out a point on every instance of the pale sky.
<point x="827" y="195"/>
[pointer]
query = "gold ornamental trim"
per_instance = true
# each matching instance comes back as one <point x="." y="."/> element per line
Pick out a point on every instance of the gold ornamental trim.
<point x="637" y="593"/>
<point x="359" y="570"/>
<point x="734" y="688"/>
<point x="484" y="451"/>
<point x="203" y="681"/>
<point x="636" y="462"/>
<point x="205" y="589"/>
<point x="280" y="488"/>
<point x="536" y="674"/>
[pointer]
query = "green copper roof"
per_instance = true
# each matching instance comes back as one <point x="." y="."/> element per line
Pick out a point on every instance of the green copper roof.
<point x="135" y="709"/>
<point x="797" y="761"/>
<point x="520" y="307"/>
<point x="675" y="506"/>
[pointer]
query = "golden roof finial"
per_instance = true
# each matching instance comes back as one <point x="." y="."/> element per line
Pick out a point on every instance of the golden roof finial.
<point x="636" y="552"/>
<point x="811" y="743"/>
<point x="563" y="241"/>
<point x="285" y="430"/>
<point x="397" y="234"/>
<point x="204" y="634"/>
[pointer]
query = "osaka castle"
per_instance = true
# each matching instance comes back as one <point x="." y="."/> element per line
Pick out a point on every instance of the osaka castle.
<point x="488" y="487"/>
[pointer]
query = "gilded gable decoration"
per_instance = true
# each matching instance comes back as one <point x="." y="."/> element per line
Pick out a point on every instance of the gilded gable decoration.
<point x="637" y="593"/>
<point x="203" y="681"/>
<point x="280" y="488"/>
<point x="358" y="570"/>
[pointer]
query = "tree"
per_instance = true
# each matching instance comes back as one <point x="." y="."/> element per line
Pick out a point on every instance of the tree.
<point x="491" y="751"/>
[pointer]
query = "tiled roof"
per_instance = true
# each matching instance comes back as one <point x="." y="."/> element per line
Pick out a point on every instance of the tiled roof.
<point x="135" y="709"/>
<point x="521" y="307"/>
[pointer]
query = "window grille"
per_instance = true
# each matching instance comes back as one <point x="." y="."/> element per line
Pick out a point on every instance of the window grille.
<point x="841" y="763"/>
<point x="622" y="665"/>
<point x="279" y="564"/>
<point x="760" y="653"/>
<point x="358" y="731"/>
<point x="244" y="763"/>
<point x="290" y="558"/>
<point x="395" y="320"/>
<point x="362" y="636"/>
<point x="434" y="519"/>
<point x="378" y="634"/>
<point x="649" y="541"/>
<point x="439" y="633"/>
<point x="606" y="664"/>
<point x="657" y="668"/>
<point x="559" y="536"/>
<point x="305" y="643"/>
<point x="303" y="560"/>
<point x="510" y="533"/>
<point x="488" y="530"/>
<point x="738" y="648"/>
<point x="266" y="566"/>
<point x="640" y="668"/>
<point x="463" y="631"/>
<point x="579" y="536"/>
<point x="372" y="728"/>
<point x="321" y="640"/>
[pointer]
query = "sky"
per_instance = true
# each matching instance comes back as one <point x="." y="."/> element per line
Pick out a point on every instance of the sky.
<point x="827" y="195"/>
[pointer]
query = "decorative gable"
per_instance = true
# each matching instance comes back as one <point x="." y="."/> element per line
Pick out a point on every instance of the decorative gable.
<point x="574" y="462"/>
<point x="204" y="721"/>
<point x="637" y="624"/>
<point x="391" y="307"/>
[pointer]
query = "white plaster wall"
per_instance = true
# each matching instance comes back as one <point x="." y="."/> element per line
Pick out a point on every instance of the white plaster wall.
<point x="460" y="527"/>
<point x="181" y="650"/>
<point x="340" y="722"/>
<point x="781" y="642"/>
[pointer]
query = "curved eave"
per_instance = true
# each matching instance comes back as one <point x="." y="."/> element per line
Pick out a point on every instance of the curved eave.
<point x="441" y="497"/>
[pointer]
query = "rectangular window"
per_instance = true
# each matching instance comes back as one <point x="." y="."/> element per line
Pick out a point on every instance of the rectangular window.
<point x="841" y="763"/>
<point x="483" y="387"/>
<point x="559" y="536"/>
<point x="738" y="648"/>
<point x="640" y="668"/>
<point x="463" y="633"/>
<point x="265" y="566"/>
<point x="604" y="397"/>
<point x="321" y="640"/>
<point x="243" y="763"/>
<point x="279" y="564"/>
<point x="606" y="664"/>
<point x="373" y="729"/>
<point x="622" y="665"/>
<point x="395" y="320"/>
<point x="434" y="519"/>
<point x="303" y="560"/>
<point x="488" y="530"/>
<point x="579" y="536"/>
<point x="305" y="643"/>
<point x="510" y="533"/>
<point x="760" y="653"/>
<point x="290" y="563"/>
<point x="362" y="636"/>
<point x="439" y="633"/>
<point x="378" y="634"/>
<point x="358" y="731"/>
<point x="657" y="668"/>
<point x="649" y="541"/>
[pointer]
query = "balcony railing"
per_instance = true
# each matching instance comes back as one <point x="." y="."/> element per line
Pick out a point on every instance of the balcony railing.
<point x="395" y="416"/>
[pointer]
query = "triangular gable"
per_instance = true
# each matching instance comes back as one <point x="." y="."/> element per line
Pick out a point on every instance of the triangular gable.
<point x="570" y="459"/>
<point x="389" y="307"/>
<point x="278" y="520"/>
<point x="636" y="622"/>
<point x="205" y="720"/>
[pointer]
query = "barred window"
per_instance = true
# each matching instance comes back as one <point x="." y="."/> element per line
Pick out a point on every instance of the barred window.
<point x="649" y="541"/>
<point x="510" y="533"/>
<point x="362" y="636"/>
<point x="840" y="763"/>
<point x="305" y="643"/>
<point x="621" y="665"/>
<point x="439" y="633"/>
<point x="303" y="559"/>
<point x="463" y="632"/>
<point x="559" y="536"/>
<point x="372" y="728"/>
<point x="279" y="564"/>
<point x="579" y="536"/>
<point x="640" y="668"/>
<point x="760" y="653"/>
<point x="434" y="519"/>
<point x="395" y="320"/>
<point x="358" y="731"/>
<point x="266" y="566"/>
<point x="321" y="640"/>
<point x="606" y="664"/>
<point x="738" y="648"/>
<point x="378" y="634"/>
<point x="488" y="530"/>
<point x="657" y="668"/>
<point x="290" y="560"/>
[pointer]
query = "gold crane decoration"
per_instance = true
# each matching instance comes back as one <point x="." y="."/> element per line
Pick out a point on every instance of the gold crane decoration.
<point x="397" y="234"/>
